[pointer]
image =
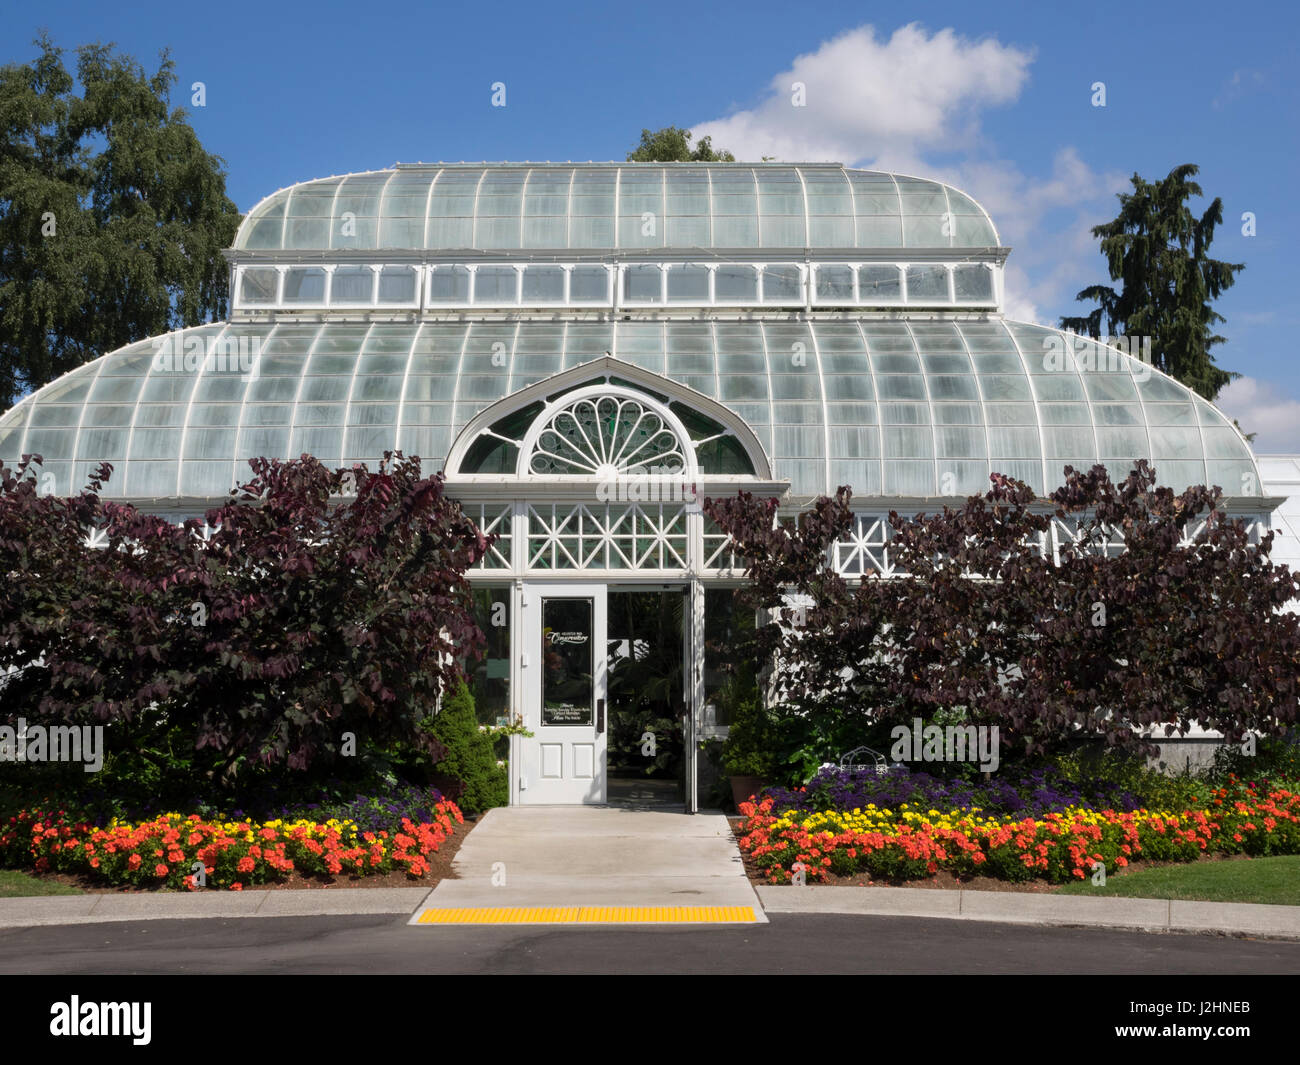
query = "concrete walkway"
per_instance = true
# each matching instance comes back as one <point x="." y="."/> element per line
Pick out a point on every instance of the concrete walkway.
<point x="595" y="864"/>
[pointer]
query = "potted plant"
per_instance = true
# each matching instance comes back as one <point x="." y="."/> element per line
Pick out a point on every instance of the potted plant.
<point x="749" y="754"/>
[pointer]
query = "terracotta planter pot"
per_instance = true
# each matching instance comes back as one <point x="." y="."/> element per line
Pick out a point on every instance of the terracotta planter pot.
<point x="743" y="787"/>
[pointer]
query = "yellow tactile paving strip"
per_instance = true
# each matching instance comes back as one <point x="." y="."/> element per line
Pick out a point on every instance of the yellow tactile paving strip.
<point x="590" y="915"/>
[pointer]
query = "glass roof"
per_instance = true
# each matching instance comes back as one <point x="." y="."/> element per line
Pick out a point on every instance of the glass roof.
<point x="888" y="407"/>
<point x="518" y="206"/>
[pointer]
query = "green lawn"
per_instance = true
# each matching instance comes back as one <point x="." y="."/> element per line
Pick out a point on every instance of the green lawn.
<point x="1271" y="880"/>
<point x="15" y="885"/>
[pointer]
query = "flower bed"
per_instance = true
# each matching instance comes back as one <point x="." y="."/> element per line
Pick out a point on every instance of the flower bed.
<point x="905" y="843"/>
<point x="1028" y="794"/>
<point x="169" y="850"/>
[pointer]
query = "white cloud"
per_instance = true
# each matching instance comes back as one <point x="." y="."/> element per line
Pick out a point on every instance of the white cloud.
<point x="1240" y="84"/>
<point x="886" y="103"/>
<point x="1048" y="223"/>
<point x="876" y="99"/>
<point x="1263" y="408"/>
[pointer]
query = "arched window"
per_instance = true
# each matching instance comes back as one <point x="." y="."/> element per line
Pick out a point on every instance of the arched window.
<point x="606" y="435"/>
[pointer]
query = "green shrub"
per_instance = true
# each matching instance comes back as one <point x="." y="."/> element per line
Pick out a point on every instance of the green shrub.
<point x="470" y="757"/>
<point x="751" y="744"/>
<point x="1275" y="758"/>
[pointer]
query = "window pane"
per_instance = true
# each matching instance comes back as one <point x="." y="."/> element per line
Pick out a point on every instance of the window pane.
<point x="258" y="286"/>
<point x="589" y="284"/>
<point x="543" y="284"/>
<point x="973" y="283"/>
<point x="735" y="283"/>
<point x="689" y="283"/>
<point x="352" y="284"/>
<point x="927" y="284"/>
<point x="642" y="283"/>
<point x="449" y="284"/>
<point x="782" y="284"/>
<point x="397" y="284"/>
<point x="496" y="284"/>
<point x="879" y="284"/>
<point x="835" y="283"/>
<point x="304" y="284"/>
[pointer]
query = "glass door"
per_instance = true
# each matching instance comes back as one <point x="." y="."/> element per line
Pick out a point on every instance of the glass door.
<point x="563" y="676"/>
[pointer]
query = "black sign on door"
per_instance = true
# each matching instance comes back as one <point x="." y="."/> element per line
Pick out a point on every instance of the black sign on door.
<point x="567" y="658"/>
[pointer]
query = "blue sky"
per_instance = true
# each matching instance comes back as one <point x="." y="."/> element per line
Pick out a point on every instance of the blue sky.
<point x="996" y="98"/>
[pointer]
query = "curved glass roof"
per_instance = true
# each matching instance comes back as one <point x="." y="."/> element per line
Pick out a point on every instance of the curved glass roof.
<point x="520" y="206"/>
<point x="888" y="407"/>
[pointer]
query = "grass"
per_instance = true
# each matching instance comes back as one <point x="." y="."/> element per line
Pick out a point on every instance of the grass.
<point x="16" y="885"/>
<point x="1266" y="880"/>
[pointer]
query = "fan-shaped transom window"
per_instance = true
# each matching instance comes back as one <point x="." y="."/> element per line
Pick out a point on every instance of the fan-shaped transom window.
<point x="604" y="436"/>
<point x="606" y="429"/>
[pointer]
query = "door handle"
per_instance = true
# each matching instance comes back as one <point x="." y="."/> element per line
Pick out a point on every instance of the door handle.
<point x="600" y="716"/>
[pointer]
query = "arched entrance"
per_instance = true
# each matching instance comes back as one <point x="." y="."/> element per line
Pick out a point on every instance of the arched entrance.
<point x="605" y="467"/>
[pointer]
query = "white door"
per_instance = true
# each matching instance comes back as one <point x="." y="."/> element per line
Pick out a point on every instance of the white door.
<point x="563" y="683"/>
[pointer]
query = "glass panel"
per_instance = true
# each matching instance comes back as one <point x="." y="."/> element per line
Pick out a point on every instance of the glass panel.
<point x="880" y="284"/>
<point x="496" y="284"/>
<point x="1175" y="443"/>
<point x="449" y="284"/>
<point x="1060" y="442"/>
<point x="1011" y="414"/>
<point x="973" y="283"/>
<point x="1002" y="386"/>
<point x="1014" y="443"/>
<point x="1224" y="443"/>
<point x="1158" y="388"/>
<point x="908" y="443"/>
<point x="397" y="284"/>
<point x="567" y="662"/>
<point x="155" y="443"/>
<point x="835" y="283"/>
<point x="352" y="284"/>
<point x="1118" y="414"/>
<point x="958" y="414"/>
<point x="898" y="386"/>
<point x="1058" y="387"/>
<point x="688" y="283"/>
<point x="952" y="387"/>
<point x="258" y="285"/>
<point x="543" y="284"/>
<point x="1109" y="386"/>
<point x="1065" y="414"/>
<point x="735" y="283"/>
<point x="909" y="478"/>
<point x="1122" y="443"/>
<point x="589" y="284"/>
<point x="782" y="284"/>
<point x="927" y="284"/>
<point x="642" y="282"/>
<point x="304" y="284"/>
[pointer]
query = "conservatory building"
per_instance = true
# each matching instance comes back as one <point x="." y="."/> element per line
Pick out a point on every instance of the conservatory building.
<point x="590" y="350"/>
